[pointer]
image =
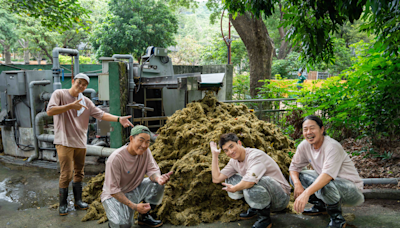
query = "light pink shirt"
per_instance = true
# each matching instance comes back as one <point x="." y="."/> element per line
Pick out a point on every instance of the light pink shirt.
<point x="69" y="129"/>
<point x="330" y="159"/>
<point x="124" y="172"/>
<point x="256" y="164"/>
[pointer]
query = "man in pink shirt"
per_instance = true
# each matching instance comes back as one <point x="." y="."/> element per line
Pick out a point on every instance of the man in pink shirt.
<point x="71" y="111"/>
<point x="334" y="180"/>
<point x="125" y="186"/>
<point x="252" y="174"/>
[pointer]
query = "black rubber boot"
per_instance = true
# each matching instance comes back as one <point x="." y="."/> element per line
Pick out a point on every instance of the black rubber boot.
<point x="319" y="207"/>
<point x="264" y="219"/>
<point x="335" y="212"/>
<point x="249" y="214"/>
<point x="148" y="220"/>
<point x="79" y="204"/>
<point x="63" y="208"/>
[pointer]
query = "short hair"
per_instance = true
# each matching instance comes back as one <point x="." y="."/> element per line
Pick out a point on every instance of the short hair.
<point x="224" y="138"/>
<point x="316" y="119"/>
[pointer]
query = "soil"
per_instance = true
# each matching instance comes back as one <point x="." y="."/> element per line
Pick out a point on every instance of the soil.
<point x="371" y="161"/>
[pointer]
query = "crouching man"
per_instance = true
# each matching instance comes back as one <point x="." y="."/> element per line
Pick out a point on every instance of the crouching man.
<point x="251" y="174"/>
<point x="334" y="180"/>
<point x="125" y="186"/>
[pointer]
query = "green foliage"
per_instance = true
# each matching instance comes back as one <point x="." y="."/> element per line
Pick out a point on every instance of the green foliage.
<point x="82" y="60"/>
<point x="217" y="53"/>
<point x="188" y="52"/>
<point x="132" y="26"/>
<point x="312" y="23"/>
<point x="241" y="87"/>
<point x="341" y="60"/>
<point x="58" y="15"/>
<point x="7" y="27"/>
<point x="284" y="67"/>
<point x="367" y="104"/>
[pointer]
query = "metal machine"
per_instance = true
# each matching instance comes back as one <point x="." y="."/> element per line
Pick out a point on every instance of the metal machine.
<point x="27" y="131"/>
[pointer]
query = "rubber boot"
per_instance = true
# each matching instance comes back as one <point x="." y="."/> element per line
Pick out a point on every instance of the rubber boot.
<point x="79" y="204"/>
<point x="335" y="212"/>
<point x="249" y="214"/>
<point x="148" y="220"/>
<point x="319" y="207"/>
<point x="264" y="219"/>
<point x="63" y="208"/>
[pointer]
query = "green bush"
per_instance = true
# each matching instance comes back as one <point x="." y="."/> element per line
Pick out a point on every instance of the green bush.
<point x="367" y="104"/>
<point x="241" y="87"/>
<point x="82" y="60"/>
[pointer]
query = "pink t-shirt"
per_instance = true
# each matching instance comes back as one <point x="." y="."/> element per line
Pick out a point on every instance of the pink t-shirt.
<point x="69" y="129"/>
<point x="256" y="164"/>
<point x="330" y="159"/>
<point x="124" y="172"/>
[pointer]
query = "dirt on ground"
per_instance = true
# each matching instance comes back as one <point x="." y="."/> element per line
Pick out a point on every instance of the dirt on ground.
<point x="372" y="161"/>
<point x="182" y="146"/>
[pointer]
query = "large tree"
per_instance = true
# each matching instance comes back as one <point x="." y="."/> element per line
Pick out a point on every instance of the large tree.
<point x="133" y="25"/>
<point x="312" y="23"/>
<point x="8" y="35"/>
<point x="53" y="14"/>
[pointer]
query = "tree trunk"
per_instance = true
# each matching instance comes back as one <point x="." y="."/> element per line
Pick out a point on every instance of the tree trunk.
<point x="285" y="49"/>
<point x="7" y="54"/>
<point x="259" y="47"/>
<point x="25" y="45"/>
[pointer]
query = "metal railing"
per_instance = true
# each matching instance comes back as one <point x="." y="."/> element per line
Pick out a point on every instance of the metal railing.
<point x="275" y="107"/>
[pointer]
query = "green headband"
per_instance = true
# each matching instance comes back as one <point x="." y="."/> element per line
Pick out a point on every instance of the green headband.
<point x="138" y="129"/>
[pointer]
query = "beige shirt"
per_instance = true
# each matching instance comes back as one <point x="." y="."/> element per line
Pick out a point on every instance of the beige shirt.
<point x="124" y="172"/>
<point x="330" y="159"/>
<point x="69" y="129"/>
<point x="256" y="164"/>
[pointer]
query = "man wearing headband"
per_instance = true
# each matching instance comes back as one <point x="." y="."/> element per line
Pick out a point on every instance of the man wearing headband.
<point x="124" y="186"/>
<point x="71" y="111"/>
<point x="333" y="181"/>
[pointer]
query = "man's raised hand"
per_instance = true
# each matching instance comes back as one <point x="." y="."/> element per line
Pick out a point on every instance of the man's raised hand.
<point x="214" y="148"/>
<point x="76" y="105"/>
<point x="124" y="121"/>
<point x="163" y="179"/>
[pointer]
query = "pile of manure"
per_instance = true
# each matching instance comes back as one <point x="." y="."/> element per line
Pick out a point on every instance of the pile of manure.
<point x="182" y="146"/>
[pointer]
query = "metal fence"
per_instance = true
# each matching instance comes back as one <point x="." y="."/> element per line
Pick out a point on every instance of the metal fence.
<point x="271" y="110"/>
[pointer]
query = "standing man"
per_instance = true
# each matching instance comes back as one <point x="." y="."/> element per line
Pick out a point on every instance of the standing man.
<point x="301" y="80"/>
<point x="334" y="180"/>
<point x="71" y="111"/>
<point x="124" y="186"/>
<point x="251" y="174"/>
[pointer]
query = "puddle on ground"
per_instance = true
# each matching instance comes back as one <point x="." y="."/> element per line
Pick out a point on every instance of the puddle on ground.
<point x="23" y="187"/>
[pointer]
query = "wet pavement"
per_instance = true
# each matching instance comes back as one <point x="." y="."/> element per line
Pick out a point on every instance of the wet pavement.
<point x="27" y="192"/>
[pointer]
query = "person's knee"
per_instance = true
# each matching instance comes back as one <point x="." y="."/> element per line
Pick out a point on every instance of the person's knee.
<point x="257" y="197"/>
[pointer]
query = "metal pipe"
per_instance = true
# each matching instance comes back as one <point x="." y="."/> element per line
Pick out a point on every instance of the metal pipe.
<point x="56" y="64"/>
<point x="368" y="181"/>
<point x="99" y="151"/>
<point x="91" y="91"/>
<point x="45" y="96"/>
<point x="32" y="101"/>
<point x="131" y="83"/>
<point x="39" y="123"/>
<point x="101" y="143"/>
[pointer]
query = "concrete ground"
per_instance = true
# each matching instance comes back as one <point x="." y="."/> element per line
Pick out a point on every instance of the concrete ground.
<point x="27" y="192"/>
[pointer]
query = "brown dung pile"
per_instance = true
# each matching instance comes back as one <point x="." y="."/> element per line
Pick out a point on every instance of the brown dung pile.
<point x="182" y="146"/>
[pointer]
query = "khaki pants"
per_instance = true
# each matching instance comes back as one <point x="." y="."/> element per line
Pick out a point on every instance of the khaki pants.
<point x="71" y="159"/>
